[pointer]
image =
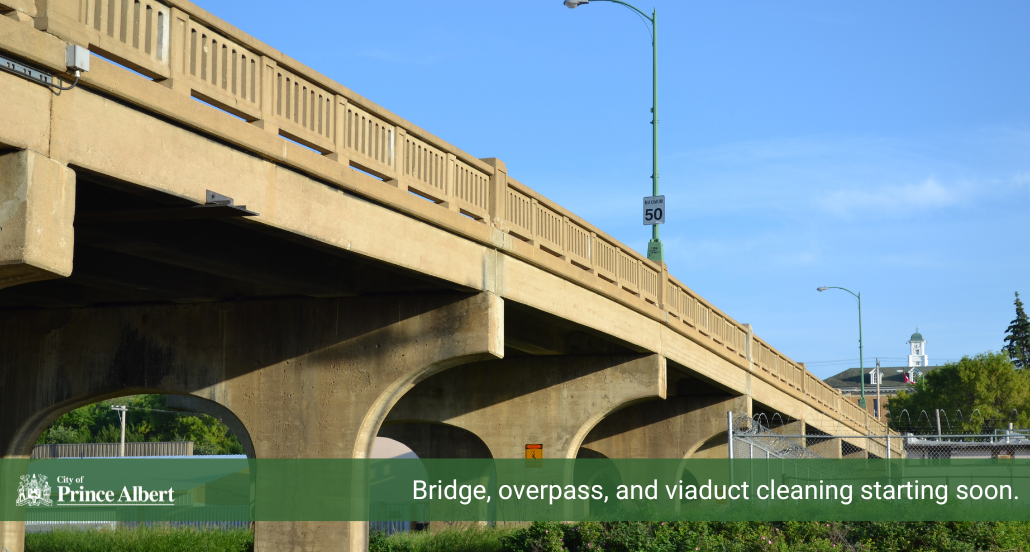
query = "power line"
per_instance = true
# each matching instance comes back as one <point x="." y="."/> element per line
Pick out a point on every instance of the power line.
<point x="854" y="362"/>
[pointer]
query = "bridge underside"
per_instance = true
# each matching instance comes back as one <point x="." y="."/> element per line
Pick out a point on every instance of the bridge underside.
<point x="136" y="245"/>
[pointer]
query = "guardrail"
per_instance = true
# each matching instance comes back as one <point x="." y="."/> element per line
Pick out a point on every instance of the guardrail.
<point x="183" y="47"/>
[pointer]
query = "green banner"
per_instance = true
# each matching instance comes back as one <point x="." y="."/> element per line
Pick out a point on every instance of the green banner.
<point x="239" y="490"/>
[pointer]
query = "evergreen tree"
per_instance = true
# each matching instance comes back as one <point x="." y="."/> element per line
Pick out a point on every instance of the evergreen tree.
<point x="1018" y="338"/>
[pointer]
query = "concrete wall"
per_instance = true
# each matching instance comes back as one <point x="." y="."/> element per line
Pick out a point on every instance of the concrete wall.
<point x="553" y="401"/>
<point x="306" y="378"/>
<point x="682" y="426"/>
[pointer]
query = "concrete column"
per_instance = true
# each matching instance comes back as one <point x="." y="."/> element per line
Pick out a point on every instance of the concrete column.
<point x="37" y="205"/>
<point x="553" y="401"/>
<point x="853" y="448"/>
<point x="400" y="155"/>
<point x="498" y="190"/>
<point x="269" y="96"/>
<point x="682" y="426"/>
<point x="178" y="56"/>
<point x="339" y="154"/>
<point x="797" y="427"/>
<point x="307" y="378"/>
<point x="825" y="447"/>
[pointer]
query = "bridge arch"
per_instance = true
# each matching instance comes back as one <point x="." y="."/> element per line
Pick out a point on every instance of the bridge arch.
<point x="24" y="437"/>
<point x="27" y="434"/>
<point x="673" y="427"/>
<point x="430" y="439"/>
<point x="714" y="447"/>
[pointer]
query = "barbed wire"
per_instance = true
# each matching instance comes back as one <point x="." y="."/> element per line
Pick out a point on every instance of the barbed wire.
<point x="954" y="421"/>
<point x="748" y="430"/>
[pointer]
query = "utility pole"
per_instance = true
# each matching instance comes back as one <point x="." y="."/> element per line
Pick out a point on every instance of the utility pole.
<point x="122" y="412"/>
<point x="879" y="401"/>
<point x="937" y="411"/>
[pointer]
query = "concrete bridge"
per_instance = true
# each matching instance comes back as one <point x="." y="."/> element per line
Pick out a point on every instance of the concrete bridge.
<point x="390" y="283"/>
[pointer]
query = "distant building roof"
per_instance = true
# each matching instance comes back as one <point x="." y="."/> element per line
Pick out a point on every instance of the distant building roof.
<point x="916" y="337"/>
<point x="891" y="377"/>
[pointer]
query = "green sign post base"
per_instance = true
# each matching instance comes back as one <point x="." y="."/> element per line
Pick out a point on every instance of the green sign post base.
<point x="655" y="251"/>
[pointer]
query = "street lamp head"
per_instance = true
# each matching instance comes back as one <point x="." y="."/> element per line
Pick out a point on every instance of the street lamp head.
<point x="573" y="3"/>
<point x="822" y="289"/>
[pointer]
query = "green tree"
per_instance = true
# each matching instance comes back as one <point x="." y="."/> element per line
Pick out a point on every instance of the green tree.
<point x="148" y="420"/>
<point x="987" y="389"/>
<point x="1018" y="337"/>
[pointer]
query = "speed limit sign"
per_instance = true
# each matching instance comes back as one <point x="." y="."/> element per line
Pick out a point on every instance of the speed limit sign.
<point x="654" y="210"/>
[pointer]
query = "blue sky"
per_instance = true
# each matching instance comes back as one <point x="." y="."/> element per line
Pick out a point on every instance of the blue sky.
<point x="878" y="146"/>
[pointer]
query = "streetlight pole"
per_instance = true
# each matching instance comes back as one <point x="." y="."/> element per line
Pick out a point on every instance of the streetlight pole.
<point x="122" y="412"/>
<point x="655" y="251"/>
<point x="861" y="364"/>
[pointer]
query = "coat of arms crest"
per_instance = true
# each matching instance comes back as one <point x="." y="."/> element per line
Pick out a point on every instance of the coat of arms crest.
<point x="34" y="491"/>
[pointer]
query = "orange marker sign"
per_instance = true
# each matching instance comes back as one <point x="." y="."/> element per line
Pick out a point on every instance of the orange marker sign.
<point x="534" y="456"/>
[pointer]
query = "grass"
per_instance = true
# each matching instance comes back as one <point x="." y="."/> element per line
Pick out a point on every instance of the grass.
<point x="142" y="539"/>
<point x="591" y="537"/>
<point x="471" y="539"/>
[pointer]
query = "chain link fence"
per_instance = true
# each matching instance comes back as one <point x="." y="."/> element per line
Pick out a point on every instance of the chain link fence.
<point x="748" y="438"/>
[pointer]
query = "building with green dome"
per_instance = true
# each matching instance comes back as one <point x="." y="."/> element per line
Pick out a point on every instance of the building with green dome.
<point x="891" y="379"/>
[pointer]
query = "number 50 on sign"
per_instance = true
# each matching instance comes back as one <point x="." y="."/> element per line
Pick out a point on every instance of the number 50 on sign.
<point x="654" y="210"/>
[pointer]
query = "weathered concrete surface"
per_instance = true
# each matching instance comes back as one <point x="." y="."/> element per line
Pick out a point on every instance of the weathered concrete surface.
<point x="119" y="132"/>
<point x="772" y="399"/>
<point x="43" y="49"/>
<point x="27" y="7"/>
<point x="37" y="205"/>
<point x="792" y="428"/>
<point x="110" y="138"/>
<point x="827" y="448"/>
<point x="193" y="403"/>
<point x="509" y="403"/>
<point x="298" y="388"/>
<point x="681" y="426"/>
<point x="849" y="450"/>
<point x="307" y="378"/>
<point x="26" y="114"/>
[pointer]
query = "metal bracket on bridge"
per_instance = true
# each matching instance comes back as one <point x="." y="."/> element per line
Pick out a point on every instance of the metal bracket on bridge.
<point x="22" y="70"/>
<point x="215" y="198"/>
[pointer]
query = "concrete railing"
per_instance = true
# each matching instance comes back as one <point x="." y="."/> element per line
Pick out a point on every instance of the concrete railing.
<point x="186" y="49"/>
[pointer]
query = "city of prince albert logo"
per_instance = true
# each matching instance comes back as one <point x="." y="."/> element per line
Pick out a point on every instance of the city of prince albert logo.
<point x="34" y="491"/>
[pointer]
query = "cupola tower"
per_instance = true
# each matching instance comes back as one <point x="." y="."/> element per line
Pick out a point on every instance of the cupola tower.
<point x="917" y="350"/>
